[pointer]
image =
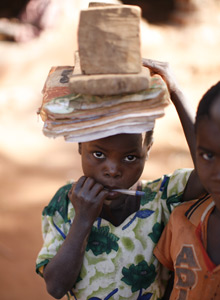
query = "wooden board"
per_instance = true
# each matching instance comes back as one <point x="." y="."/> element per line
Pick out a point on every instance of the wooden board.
<point x="109" y="40"/>
<point x="107" y="84"/>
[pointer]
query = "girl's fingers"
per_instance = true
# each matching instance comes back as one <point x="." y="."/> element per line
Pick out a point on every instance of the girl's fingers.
<point x="155" y="65"/>
<point x="88" y="188"/>
<point x="92" y="189"/>
<point x="76" y="186"/>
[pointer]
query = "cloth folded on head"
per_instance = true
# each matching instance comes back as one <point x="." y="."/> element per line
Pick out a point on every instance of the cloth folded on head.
<point x="80" y="118"/>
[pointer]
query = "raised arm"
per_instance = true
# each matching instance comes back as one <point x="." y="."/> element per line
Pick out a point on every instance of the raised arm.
<point x="183" y="108"/>
<point x="194" y="188"/>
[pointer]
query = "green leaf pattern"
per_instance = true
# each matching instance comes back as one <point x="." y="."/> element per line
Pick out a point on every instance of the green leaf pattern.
<point x="100" y="241"/>
<point x="139" y="276"/>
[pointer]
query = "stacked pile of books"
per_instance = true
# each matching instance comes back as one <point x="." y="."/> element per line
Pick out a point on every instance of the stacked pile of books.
<point x="107" y="91"/>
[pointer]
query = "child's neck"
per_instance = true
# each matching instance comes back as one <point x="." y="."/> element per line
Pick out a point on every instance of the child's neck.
<point x="213" y="234"/>
<point x="116" y="213"/>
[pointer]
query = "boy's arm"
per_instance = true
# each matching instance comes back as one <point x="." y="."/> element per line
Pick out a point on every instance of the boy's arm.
<point x="62" y="271"/>
<point x="194" y="188"/>
<point x="169" y="288"/>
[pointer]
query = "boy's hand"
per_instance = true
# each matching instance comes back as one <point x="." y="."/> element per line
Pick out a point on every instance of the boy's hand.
<point x="162" y="69"/>
<point x="87" y="197"/>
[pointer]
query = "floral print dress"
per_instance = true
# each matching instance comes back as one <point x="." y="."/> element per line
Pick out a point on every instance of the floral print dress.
<point x="119" y="261"/>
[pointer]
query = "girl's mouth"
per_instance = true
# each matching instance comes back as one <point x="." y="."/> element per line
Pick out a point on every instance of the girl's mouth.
<point x="113" y="194"/>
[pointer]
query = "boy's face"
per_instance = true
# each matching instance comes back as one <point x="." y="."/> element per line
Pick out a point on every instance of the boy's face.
<point x="208" y="156"/>
<point x="116" y="161"/>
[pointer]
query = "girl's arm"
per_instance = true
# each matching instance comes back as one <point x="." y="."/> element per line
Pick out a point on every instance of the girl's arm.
<point x="194" y="188"/>
<point x="62" y="271"/>
<point x="182" y="106"/>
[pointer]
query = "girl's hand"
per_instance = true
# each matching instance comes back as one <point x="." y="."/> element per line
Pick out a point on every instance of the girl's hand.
<point x="87" y="197"/>
<point x="162" y="69"/>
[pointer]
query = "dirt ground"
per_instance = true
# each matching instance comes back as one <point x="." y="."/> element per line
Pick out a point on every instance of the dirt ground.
<point x="33" y="167"/>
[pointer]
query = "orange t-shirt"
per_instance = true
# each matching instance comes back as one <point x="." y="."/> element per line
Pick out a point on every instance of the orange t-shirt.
<point x="182" y="249"/>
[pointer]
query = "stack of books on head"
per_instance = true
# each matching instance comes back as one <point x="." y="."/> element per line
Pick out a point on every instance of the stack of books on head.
<point x="107" y="91"/>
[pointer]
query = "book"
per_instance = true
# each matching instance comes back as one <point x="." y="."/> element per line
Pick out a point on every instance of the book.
<point x="79" y="117"/>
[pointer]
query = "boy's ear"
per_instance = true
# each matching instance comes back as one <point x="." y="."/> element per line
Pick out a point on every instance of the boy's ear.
<point x="215" y="110"/>
<point x="79" y="148"/>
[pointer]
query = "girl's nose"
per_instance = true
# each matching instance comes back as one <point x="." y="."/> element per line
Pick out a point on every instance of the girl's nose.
<point x="112" y="169"/>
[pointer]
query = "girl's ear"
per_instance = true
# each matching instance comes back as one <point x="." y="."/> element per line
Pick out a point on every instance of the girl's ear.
<point x="79" y="148"/>
<point x="148" y="149"/>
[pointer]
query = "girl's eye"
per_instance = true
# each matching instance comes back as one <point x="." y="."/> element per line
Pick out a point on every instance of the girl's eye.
<point x="130" y="158"/>
<point x="208" y="156"/>
<point x="98" y="154"/>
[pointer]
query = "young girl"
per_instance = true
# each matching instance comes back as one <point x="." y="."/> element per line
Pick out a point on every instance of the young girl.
<point x="190" y="244"/>
<point x="98" y="242"/>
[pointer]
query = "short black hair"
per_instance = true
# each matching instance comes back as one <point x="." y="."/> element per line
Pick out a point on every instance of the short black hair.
<point x="205" y="104"/>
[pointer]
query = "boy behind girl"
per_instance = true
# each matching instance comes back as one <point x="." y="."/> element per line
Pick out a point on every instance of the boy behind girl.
<point x="190" y="244"/>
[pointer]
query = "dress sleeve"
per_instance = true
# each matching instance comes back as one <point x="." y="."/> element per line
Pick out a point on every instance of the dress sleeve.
<point x="172" y="188"/>
<point x="53" y="237"/>
<point x="55" y="227"/>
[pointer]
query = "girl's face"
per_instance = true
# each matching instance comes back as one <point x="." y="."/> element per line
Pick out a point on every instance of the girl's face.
<point x="208" y="157"/>
<point x="116" y="162"/>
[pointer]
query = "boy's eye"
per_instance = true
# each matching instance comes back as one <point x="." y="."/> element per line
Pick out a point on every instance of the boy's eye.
<point x="98" y="154"/>
<point x="208" y="156"/>
<point x="130" y="158"/>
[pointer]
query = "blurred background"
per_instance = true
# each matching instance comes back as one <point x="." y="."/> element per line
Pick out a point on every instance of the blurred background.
<point x="38" y="34"/>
